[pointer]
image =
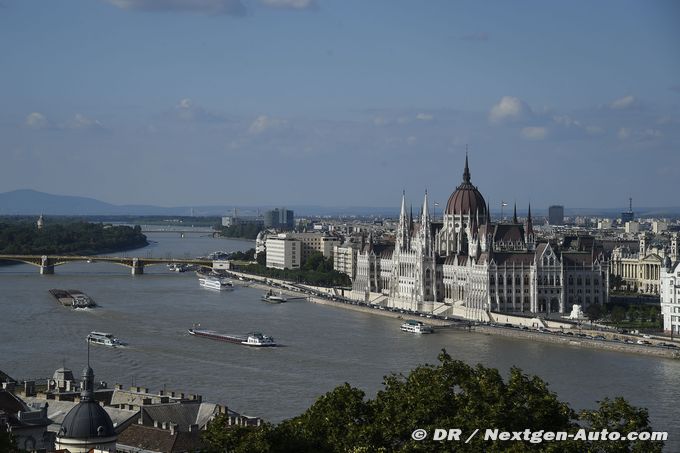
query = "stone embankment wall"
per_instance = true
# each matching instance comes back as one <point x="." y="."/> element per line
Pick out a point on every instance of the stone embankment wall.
<point x="578" y="341"/>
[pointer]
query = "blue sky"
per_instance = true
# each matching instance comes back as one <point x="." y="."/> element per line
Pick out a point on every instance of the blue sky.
<point x="194" y="102"/>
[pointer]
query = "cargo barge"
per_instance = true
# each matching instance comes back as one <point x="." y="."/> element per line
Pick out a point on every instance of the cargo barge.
<point x="252" y="339"/>
<point x="73" y="298"/>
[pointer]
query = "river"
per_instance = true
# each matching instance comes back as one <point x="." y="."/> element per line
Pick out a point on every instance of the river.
<point x="323" y="346"/>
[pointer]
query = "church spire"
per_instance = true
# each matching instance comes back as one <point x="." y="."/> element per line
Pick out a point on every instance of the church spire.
<point x="530" y="238"/>
<point x="530" y="225"/>
<point x="466" y="172"/>
<point x="425" y="210"/>
<point x="403" y="205"/>
<point x="514" y="214"/>
<point x="404" y="225"/>
<point x="426" y="228"/>
<point x="488" y="213"/>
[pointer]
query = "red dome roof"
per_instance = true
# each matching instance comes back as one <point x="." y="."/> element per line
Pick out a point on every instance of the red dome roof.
<point x="466" y="199"/>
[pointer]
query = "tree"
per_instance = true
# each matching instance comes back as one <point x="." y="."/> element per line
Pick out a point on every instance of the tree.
<point x="618" y="314"/>
<point x="615" y="282"/>
<point x="594" y="312"/>
<point x="618" y="415"/>
<point x="450" y="394"/>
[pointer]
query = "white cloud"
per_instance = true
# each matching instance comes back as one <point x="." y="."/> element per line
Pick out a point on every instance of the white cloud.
<point x="187" y="110"/>
<point x="623" y="134"/>
<point x="185" y="103"/>
<point x="623" y="103"/>
<point x="534" y="133"/>
<point x="80" y="121"/>
<point x="290" y="4"/>
<point x="263" y="123"/>
<point x="411" y="140"/>
<point x="231" y="7"/>
<point x="36" y="120"/>
<point x="509" y="109"/>
<point x="424" y="117"/>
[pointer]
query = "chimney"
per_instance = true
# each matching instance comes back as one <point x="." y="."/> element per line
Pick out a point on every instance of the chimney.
<point x="29" y="388"/>
<point x="118" y="387"/>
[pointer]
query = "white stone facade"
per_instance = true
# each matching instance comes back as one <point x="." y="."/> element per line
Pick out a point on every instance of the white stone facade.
<point x="469" y="261"/>
<point x="641" y="271"/>
<point x="283" y="252"/>
<point x="670" y="297"/>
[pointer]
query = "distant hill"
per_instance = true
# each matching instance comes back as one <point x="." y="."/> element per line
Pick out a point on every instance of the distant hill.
<point x="32" y="202"/>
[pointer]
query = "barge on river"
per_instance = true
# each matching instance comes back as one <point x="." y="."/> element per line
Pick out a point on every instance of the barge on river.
<point x="255" y="339"/>
<point x="73" y="298"/>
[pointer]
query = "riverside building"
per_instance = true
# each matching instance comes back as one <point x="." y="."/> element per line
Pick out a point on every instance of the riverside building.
<point x="469" y="262"/>
<point x="641" y="270"/>
<point x="670" y="295"/>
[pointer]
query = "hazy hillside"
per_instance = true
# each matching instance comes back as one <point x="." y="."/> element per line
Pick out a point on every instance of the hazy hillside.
<point x="32" y="202"/>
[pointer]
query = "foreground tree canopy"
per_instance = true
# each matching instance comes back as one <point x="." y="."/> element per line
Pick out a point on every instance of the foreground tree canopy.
<point x="449" y="395"/>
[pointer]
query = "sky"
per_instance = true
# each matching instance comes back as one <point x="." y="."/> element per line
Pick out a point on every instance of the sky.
<point x="341" y="102"/>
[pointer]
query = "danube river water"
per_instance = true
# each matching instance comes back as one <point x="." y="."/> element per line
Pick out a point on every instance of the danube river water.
<point x="323" y="346"/>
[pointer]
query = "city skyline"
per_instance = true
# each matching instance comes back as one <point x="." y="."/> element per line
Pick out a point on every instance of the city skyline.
<point x="302" y="102"/>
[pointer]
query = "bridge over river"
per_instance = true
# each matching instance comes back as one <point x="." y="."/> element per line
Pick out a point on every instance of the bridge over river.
<point x="46" y="263"/>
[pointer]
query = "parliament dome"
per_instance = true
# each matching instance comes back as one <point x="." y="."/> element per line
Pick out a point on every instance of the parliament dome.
<point x="466" y="199"/>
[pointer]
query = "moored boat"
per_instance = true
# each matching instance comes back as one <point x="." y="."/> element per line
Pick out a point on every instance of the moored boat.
<point x="416" y="327"/>
<point x="273" y="298"/>
<point x="255" y="339"/>
<point x="215" y="283"/>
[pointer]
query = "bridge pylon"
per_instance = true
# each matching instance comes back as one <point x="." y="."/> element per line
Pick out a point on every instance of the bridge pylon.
<point x="137" y="266"/>
<point x="46" y="266"/>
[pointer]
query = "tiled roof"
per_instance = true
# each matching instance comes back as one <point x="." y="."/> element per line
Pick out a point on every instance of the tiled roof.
<point x="160" y="440"/>
<point x="182" y="414"/>
<point x="516" y="258"/>
<point x="508" y="232"/>
<point x="10" y="403"/>
<point x="577" y="258"/>
<point x="57" y="410"/>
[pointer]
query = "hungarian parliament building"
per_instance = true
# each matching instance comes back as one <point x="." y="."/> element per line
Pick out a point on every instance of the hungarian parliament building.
<point x="468" y="261"/>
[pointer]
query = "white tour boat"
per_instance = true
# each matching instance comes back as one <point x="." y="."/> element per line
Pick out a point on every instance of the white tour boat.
<point x="416" y="327"/>
<point x="103" y="338"/>
<point x="215" y="283"/>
